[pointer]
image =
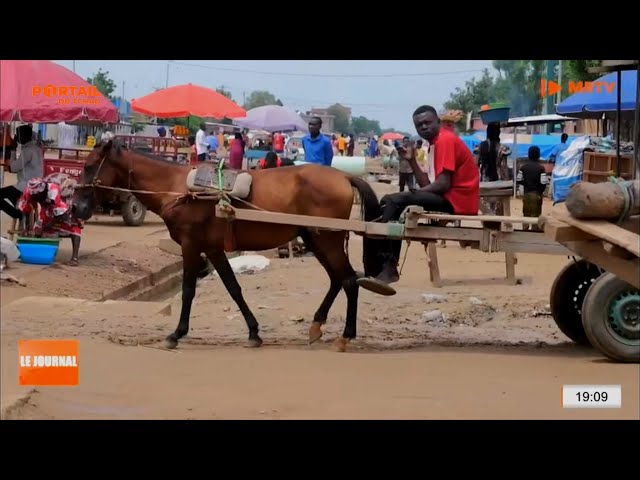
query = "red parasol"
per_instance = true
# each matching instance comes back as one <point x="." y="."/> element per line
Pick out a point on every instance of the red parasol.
<point x="185" y="100"/>
<point x="392" y="136"/>
<point x="44" y="92"/>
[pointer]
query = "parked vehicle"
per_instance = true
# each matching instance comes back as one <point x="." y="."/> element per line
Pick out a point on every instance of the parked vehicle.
<point x="71" y="161"/>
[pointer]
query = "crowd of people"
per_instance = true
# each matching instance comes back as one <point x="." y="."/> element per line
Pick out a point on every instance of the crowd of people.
<point x="437" y="172"/>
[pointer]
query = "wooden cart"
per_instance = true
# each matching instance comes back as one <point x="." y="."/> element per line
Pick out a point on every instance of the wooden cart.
<point x="596" y="299"/>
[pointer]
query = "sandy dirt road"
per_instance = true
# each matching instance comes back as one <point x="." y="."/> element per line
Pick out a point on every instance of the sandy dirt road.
<point x="312" y="383"/>
<point x="502" y="359"/>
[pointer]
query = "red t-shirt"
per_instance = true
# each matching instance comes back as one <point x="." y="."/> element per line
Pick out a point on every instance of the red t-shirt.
<point x="278" y="142"/>
<point x="452" y="154"/>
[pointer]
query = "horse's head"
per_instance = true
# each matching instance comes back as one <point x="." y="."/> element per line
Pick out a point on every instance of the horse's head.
<point x="100" y="169"/>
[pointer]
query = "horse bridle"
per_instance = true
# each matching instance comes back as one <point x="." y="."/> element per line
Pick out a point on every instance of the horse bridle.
<point x="96" y="183"/>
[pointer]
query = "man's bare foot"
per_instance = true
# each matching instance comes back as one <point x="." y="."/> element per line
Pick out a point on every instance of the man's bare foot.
<point x="73" y="262"/>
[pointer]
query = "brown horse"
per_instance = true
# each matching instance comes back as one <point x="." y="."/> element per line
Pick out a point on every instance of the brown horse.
<point x="192" y="223"/>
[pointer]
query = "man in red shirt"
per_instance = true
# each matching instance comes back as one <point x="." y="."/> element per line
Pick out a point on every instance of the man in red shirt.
<point x="278" y="143"/>
<point x="454" y="190"/>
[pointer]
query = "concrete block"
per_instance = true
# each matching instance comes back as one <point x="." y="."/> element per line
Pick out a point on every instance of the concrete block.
<point x="170" y="246"/>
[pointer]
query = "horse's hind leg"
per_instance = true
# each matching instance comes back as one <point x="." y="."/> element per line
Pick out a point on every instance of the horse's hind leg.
<point x="222" y="266"/>
<point x="320" y="317"/>
<point x="191" y="267"/>
<point x="329" y="248"/>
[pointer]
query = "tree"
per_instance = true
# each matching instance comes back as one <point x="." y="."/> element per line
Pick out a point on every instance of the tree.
<point x="578" y="71"/>
<point x="260" y="98"/>
<point x="365" y="126"/>
<point x="224" y="92"/>
<point x="518" y="85"/>
<point x="474" y="94"/>
<point x="103" y="83"/>
<point x="341" y="120"/>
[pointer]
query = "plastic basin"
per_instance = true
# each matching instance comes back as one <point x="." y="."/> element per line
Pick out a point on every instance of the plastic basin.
<point x="37" y="253"/>
<point x="38" y="241"/>
<point x="494" y="115"/>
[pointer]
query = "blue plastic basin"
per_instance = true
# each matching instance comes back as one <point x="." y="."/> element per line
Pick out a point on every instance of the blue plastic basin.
<point x="495" y="115"/>
<point x="37" y="254"/>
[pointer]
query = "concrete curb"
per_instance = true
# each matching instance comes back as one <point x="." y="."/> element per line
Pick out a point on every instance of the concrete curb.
<point x="151" y="280"/>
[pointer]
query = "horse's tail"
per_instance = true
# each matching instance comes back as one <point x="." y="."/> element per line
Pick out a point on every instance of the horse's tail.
<point x="369" y="210"/>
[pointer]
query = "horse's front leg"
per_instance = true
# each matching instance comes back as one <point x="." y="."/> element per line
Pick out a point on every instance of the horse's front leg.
<point x="222" y="266"/>
<point x="191" y="267"/>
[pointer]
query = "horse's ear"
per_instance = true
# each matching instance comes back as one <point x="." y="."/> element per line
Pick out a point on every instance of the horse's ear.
<point x="106" y="147"/>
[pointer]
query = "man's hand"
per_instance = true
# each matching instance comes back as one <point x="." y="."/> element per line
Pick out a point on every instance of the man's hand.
<point x="407" y="153"/>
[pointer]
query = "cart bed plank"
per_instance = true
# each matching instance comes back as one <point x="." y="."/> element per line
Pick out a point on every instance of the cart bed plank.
<point x="601" y="229"/>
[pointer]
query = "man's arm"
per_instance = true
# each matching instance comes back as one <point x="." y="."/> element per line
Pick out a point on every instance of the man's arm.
<point x="441" y="185"/>
<point x="19" y="163"/>
<point x="409" y="154"/>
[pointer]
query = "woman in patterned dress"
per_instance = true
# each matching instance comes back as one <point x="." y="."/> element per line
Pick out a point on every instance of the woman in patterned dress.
<point x="53" y="195"/>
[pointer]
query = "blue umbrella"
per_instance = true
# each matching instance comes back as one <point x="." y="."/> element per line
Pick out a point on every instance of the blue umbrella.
<point x="272" y="118"/>
<point x="595" y="103"/>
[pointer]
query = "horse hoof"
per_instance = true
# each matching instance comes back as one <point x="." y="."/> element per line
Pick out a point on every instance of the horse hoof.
<point x="253" y="343"/>
<point x="170" y="344"/>
<point x="315" y="332"/>
<point x="340" y="344"/>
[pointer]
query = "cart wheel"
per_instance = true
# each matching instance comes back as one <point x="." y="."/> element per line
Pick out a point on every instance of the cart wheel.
<point x="567" y="294"/>
<point x="611" y="318"/>
<point x="133" y="212"/>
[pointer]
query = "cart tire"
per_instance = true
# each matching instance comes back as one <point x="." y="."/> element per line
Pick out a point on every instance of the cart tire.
<point x="611" y="318"/>
<point x="567" y="294"/>
<point x="133" y="212"/>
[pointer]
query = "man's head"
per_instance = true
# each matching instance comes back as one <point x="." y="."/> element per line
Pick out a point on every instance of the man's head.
<point x="24" y="134"/>
<point x="534" y="153"/>
<point x="426" y="121"/>
<point x="563" y="138"/>
<point x="315" y="124"/>
<point x="203" y="127"/>
<point x="493" y="132"/>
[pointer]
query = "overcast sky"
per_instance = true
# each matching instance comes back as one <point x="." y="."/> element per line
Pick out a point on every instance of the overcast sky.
<point x="387" y="91"/>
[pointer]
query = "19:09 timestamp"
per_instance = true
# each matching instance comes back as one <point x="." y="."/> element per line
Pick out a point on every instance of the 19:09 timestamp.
<point x="591" y="396"/>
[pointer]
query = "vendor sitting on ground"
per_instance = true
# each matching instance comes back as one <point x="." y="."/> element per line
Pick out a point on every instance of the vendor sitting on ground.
<point x="454" y="190"/>
<point x="53" y="194"/>
<point x="272" y="160"/>
<point x="533" y="178"/>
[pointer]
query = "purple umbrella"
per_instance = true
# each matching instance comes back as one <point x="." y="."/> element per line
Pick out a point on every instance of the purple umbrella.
<point x="272" y="118"/>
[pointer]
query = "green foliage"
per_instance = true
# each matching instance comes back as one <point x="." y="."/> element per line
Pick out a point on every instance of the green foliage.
<point x="260" y="98"/>
<point x="517" y="84"/>
<point x="365" y="126"/>
<point x="577" y="71"/>
<point x="341" y="120"/>
<point x="224" y="92"/>
<point x="474" y="94"/>
<point x="103" y="83"/>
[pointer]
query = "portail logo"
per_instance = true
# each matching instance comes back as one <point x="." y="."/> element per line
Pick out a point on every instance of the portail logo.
<point x="48" y="362"/>
<point x="549" y="87"/>
<point x="68" y="94"/>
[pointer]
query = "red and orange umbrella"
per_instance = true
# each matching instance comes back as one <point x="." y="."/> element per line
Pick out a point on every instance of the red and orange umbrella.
<point x="185" y="100"/>
<point x="392" y="136"/>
